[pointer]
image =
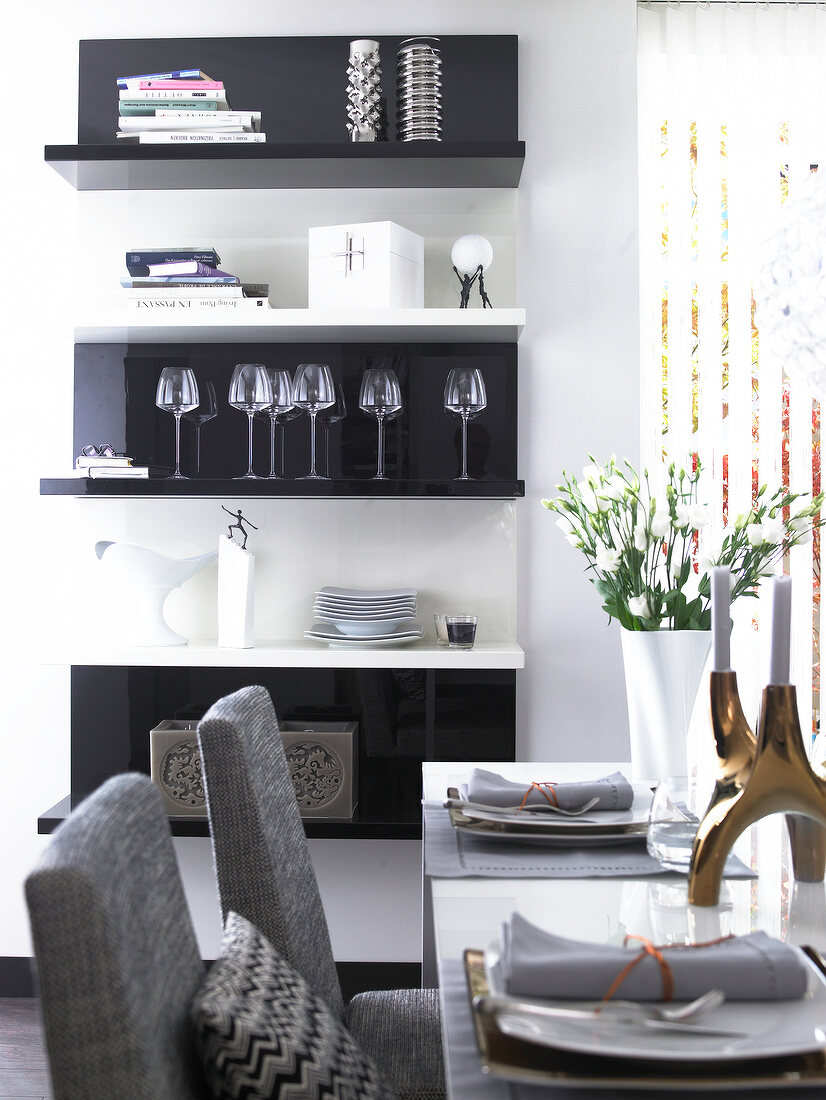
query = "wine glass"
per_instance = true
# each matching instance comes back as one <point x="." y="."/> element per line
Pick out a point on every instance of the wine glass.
<point x="465" y="395"/>
<point x="282" y="402"/>
<point x="380" y="396"/>
<point x="313" y="390"/>
<point x="250" y="391"/>
<point x="177" y="393"/>
<point x="207" y="410"/>
<point x="329" y="416"/>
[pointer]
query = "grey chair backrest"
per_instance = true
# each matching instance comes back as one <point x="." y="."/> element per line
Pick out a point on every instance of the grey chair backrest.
<point x="117" y="958"/>
<point x="262" y="862"/>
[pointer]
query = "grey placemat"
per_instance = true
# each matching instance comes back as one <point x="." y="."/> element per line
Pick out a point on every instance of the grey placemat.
<point x="468" y="1082"/>
<point x="454" y="853"/>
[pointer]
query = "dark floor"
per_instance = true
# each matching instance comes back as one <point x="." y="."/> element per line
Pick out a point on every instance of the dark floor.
<point x="23" y="1073"/>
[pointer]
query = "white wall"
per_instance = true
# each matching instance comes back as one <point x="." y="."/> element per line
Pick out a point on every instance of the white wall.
<point x="577" y="252"/>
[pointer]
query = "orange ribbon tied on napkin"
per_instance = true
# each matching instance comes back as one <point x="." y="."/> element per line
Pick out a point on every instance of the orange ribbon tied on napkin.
<point x="549" y="794"/>
<point x="650" y="949"/>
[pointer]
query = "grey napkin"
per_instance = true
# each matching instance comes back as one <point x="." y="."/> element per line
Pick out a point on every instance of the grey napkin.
<point x="491" y="789"/>
<point x="755" y="967"/>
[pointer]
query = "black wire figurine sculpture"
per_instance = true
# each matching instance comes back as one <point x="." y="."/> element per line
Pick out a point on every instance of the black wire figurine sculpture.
<point x="239" y="526"/>
<point x="471" y="256"/>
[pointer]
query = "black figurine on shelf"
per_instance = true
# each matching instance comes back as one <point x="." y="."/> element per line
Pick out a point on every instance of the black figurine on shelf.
<point x="239" y="525"/>
<point x="472" y="255"/>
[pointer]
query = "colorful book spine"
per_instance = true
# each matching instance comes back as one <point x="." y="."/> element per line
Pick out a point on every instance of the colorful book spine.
<point x="139" y="259"/>
<point x="175" y="74"/>
<point x="177" y="85"/>
<point x="173" y="137"/>
<point x="148" y="107"/>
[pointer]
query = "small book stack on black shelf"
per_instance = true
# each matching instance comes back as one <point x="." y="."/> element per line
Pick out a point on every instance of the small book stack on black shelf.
<point x="182" y="107"/>
<point x="188" y="282"/>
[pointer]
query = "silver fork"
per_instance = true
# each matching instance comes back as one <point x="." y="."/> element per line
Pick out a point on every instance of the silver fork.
<point x="675" y="1014"/>
<point x="458" y="804"/>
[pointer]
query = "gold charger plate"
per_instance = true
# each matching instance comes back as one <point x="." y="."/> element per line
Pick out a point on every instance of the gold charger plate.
<point x="518" y="1060"/>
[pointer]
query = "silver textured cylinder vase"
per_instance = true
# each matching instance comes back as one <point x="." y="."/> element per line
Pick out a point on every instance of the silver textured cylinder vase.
<point x="419" y="90"/>
<point x="365" y="106"/>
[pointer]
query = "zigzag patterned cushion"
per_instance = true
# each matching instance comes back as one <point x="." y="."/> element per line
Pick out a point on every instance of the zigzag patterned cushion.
<point x="263" y="1034"/>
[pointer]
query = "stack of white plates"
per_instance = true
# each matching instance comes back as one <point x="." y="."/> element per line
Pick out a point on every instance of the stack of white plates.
<point x="366" y="617"/>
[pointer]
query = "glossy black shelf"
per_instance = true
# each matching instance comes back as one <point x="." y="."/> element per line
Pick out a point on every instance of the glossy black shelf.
<point x="297" y="488"/>
<point x="270" y="165"/>
<point x="374" y="828"/>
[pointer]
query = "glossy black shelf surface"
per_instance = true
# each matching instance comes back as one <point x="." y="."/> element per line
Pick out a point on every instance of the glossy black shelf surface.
<point x="229" y="487"/>
<point x="110" y="167"/>
<point x="366" y="828"/>
<point x="404" y="716"/>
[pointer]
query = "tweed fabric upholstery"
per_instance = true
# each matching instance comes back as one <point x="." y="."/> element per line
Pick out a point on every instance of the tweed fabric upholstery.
<point x="400" y="1029"/>
<point x="263" y="1033"/>
<point x="117" y="958"/>
<point x="262" y="862"/>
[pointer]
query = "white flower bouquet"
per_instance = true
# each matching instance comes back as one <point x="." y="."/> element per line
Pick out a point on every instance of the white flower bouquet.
<point x="642" y="553"/>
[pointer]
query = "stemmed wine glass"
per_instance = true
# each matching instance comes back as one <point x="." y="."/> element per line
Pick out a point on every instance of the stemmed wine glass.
<point x="282" y="402"/>
<point x="177" y="393"/>
<point x="329" y="416"/>
<point x="313" y="390"/>
<point x="380" y="396"/>
<point x="465" y="395"/>
<point x="207" y="410"/>
<point x="250" y="391"/>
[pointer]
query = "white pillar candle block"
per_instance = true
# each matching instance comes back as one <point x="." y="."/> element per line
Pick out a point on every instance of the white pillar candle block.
<point x="780" y="660"/>
<point x="720" y="625"/>
<point x="236" y="585"/>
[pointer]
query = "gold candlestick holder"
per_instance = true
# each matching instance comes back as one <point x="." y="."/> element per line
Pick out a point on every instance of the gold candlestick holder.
<point x="758" y="776"/>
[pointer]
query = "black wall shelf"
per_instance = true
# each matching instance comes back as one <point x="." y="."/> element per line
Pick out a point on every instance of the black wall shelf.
<point x="270" y="165"/>
<point x="239" y="488"/>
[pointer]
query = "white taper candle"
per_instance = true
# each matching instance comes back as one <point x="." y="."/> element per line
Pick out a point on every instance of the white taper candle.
<point x="720" y="625"/>
<point x="781" y="631"/>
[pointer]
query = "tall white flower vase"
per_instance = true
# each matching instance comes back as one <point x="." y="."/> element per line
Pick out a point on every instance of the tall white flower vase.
<point x="662" y="674"/>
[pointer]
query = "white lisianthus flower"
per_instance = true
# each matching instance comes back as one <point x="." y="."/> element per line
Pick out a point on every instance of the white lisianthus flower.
<point x="681" y="517"/>
<point x="773" y="530"/>
<point x="573" y="539"/>
<point x="638" y="605"/>
<point x="614" y="488"/>
<point x="567" y="524"/>
<point x="640" y="538"/>
<point x="589" y="497"/>
<point x="754" y="533"/>
<point x="607" y="559"/>
<point x="593" y="474"/>
<point x="699" y="515"/>
<point x="661" y="523"/>
<point x="801" y="528"/>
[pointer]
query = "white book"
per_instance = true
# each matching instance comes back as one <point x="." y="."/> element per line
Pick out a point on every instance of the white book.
<point x="250" y="119"/>
<point x="212" y="95"/>
<point x="118" y="471"/>
<point x="191" y="305"/>
<point x="178" y="137"/>
<point x="195" y="120"/>
<point x="180" y="291"/>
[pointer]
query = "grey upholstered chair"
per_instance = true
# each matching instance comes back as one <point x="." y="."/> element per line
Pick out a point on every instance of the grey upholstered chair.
<point x="117" y="958"/>
<point x="264" y="873"/>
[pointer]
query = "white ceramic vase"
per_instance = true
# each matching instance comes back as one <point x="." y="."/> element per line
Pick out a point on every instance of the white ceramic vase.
<point x="662" y="675"/>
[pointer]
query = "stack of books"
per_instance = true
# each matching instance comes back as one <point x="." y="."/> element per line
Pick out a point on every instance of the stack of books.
<point x="187" y="280"/>
<point x="115" y="466"/>
<point x="184" y="106"/>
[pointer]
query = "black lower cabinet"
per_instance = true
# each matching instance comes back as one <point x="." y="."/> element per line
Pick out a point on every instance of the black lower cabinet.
<point x="404" y="716"/>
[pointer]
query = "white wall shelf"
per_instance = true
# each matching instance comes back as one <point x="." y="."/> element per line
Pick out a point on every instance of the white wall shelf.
<point x="294" y="654"/>
<point x="128" y="326"/>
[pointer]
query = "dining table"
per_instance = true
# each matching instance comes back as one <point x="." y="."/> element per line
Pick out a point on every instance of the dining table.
<point x="473" y="883"/>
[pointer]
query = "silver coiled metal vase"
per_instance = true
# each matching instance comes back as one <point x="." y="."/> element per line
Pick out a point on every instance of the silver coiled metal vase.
<point x="365" y="108"/>
<point x="419" y="90"/>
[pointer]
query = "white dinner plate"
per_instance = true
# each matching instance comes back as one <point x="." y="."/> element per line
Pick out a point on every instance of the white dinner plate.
<point x="326" y="632"/>
<point x="770" y="1029"/>
<point x="332" y="613"/>
<point x="600" y="823"/>
<point x="367" y="594"/>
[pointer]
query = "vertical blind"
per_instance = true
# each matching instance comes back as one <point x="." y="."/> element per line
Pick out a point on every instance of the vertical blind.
<point x="732" y="119"/>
